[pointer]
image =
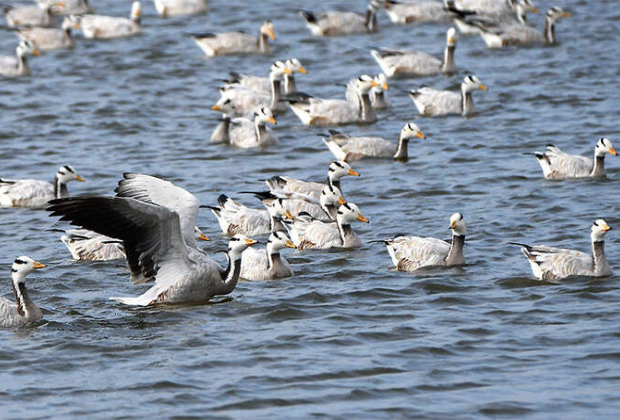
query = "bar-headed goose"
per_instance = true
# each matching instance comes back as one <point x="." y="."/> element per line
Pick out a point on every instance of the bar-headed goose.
<point x="325" y="208"/>
<point x="69" y="7"/>
<point x="519" y="34"/>
<point x="559" y="165"/>
<point x="23" y="310"/>
<point x="15" y="66"/>
<point x="38" y="15"/>
<point x="470" y="24"/>
<point x="295" y="66"/>
<point x="403" y="12"/>
<point x="49" y="39"/>
<point x="410" y="253"/>
<point x="108" y="27"/>
<point x="234" y="217"/>
<point x="267" y="264"/>
<point x="550" y="263"/>
<point x="265" y="84"/>
<point x="309" y="233"/>
<point x="343" y="23"/>
<point x="350" y="149"/>
<point x="235" y="42"/>
<point x="416" y="63"/>
<point x="155" y="220"/>
<point x="431" y="102"/>
<point x="228" y="110"/>
<point x="246" y="133"/>
<point x="322" y="112"/>
<point x="168" y="8"/>
<point x="33" y="193"/>
<point x="378" y="98"/>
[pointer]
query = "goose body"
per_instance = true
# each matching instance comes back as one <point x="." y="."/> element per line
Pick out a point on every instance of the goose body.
<point x="38" y="15"/>
<point x="23" y="310"/>
<point x="324" y="208"/>
<point x="550" y="263"/>
<point x="49" y="39"/>
<point x="169" y="8"/>
<point x="378" y="98"/>
<point x="410" y="253"/>
<point x="432" y="102"/>
<point x="418" y="11"/>
<point x="17" y="65"/>
<point x="86" y="245"/>
<point x="267" y="263"/>
<point x="235" y="42"/>
<point x="496" y="18"/>
<point x="559" y="165"/>
<point x="221" y="132"/>
<point x="264" y="85"/>
<point x="342" y="23"/>
<point x="246" y="133"/>
<point x="33" y="193"/>
<point x="109" y="27"/>
<point x="69" y="7"/>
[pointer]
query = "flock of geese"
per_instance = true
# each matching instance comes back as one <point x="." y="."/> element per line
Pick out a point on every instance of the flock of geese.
<point x="151" y="222"/>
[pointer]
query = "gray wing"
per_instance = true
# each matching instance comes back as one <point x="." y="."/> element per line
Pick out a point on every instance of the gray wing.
<point x="557" y="263"/>
<point x="412" y="252"/>
<point x="47" y="39"/>
<point x="108" y="26"/>
<point x="420" y="11"/>
<point x="565" y="165"/>
<point x="245" y="99"/>
<point x="86" y="245"/>
<point x="436" y="102"/>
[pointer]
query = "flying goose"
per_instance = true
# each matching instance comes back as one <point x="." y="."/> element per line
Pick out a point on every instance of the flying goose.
<point x="23" y="310"/>
<point x="38" y="15"/>
<point x="431" y="102"/>
<point x="68" y="7"/>
<point x="377" y="93"/>
<point x="470" y="24"/>
<point x="33" y="193"/>
<point x="416" y="63"/>
<point x="309" y="233"/>
<point x="322" y="112"/>
<point x="17" y="65"/>
<point x="550" y="263"/>
<point x="108" y="27"/>
<point x="155" y="220"/>
<point x="402" y="12"/>
<point x="233" y="217"/>
<point x="519" y="34"/>
<point x="235" y="42"/>
<point x="169" y="8"/>
<point x="228" y="109"/>
<point x="267" y="264"/>
<point x="343" y="23"/>
<point x="559" y="165"/>
<point x="410" y="253"/>
<point x="246" y="133"/>
<point x="350" y="149"/>
<point x="49" y="39"/>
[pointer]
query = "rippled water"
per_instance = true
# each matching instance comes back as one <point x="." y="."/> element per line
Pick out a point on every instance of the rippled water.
<point x="346" y="335"/>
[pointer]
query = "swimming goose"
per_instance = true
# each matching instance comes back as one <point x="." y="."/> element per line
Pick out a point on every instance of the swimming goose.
<point x="39" y="15"/>
<point x="228" y="109"/>
<point x="487" y="6"/>
<point x="295" y="66"/>
<point x="309" y="233"/>
<point x="234" y="217"/>
<point x="419" y="11"/>
<point x="550" y="263"/>
<point x="377" y="93"/>
<point x="168" y="8"/>
<point x="350" y="149"/>
<point x="325" y="208"/>
<point x="33" y="193"/>
<point x="519" y="34"/>
<point x="18" y="66"/>
<point x="559" y="165"/>
<point x="410" y="253"/>
<point x="23" y="310"/>
<point x="246" y="133"/>
<point x="322" y="112"/>
<point x="416" y="63"/>
<point x="108" y="27"/>
<point x="470" y="24"/>
<point x="431" y="102"/>
<point x="49" y="39"/>
<point x="235" y="42"/>
<point x="69" y="7"/>
<point x="267" y="264"/>
<point x="265" y="84"/>
<point x="343" y="23"/>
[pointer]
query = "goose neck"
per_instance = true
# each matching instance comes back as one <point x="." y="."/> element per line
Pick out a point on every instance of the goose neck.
<point x="276" y="93"/>
<point x="467" y="103"/>
<point x="289" y="84"/>
<point x="367" y="113"/>
<point x="599" y="165"/>
<point x="230" y="275"/>
<point x="549" y="30"/>
<point x="455" y="255"/>
<point x="402" y="149"/>
<point x="448" y="65"/>
<point x="599" y="261"/>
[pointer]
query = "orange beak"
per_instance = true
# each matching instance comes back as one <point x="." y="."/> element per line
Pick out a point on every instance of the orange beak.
<point x="303" y="70"/>
<point x="566" y="14"/>
<point x="216" y="108"/>
<point x="250" y="242"/>
<point x="535" y="10"/>
<point x="203" y="237"/>
<point x="288" y="215"/>
<point x="362" y="219"/>
<point x="342" y="201"/>
<point x="79" y="178"/>
<point x="36" y="52"/>
<point x="353" y="173"/>
<point x="39" y="265"/>
<point x="420" y="135"/>
<point x="613" y="151"/>
<point x="483" y="87"/>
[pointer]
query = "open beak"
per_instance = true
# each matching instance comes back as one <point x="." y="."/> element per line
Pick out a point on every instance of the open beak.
<point x="483" y="87"/>
<point x="272" y="120"/>
<point x="36" y="52"/>
<point x="303" y="70"/>
<point x="216" y="108"/>
<point x="362" y="219"/>
<point x="288" y="215"/>
<point x="203" y="237"/>
<point x="289" y="244"/>
<point x="566" y="14"/>
<point x="271" y="34"/>
<point x="39" y="265"/>
<point x="606" y="228"/>
<point x="342" y="201"/>
<point x="535" y="10"/>
<point x="420" y="135"/>
<point x="613" y="151"/>
<point x="353" y="173"/>
<point x="250" y="242"/>
<point x="79" y="178"/>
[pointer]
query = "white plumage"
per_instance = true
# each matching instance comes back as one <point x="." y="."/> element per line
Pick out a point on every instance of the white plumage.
<point x="108" y="27"/>
<point x="49" y="39"/>
<point x="235" y="42"/>
<point x="246" y="133"/>
<point x="169" y="8"/>
<point x="403" y="12"/>
<point x="267" y="263"/>
<point x="431" y="102"/>
<point x="17" y="65"/>
<point x="559" y="165"/>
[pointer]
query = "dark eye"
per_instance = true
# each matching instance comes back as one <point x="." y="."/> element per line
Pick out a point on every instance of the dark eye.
<point x="234" y="239"/>
<point x="18" y="261"/>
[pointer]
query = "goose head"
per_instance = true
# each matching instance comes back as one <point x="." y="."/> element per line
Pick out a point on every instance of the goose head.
<point x="267" y="29"/>
<point x="381" y="81"/>
<point x="472" y="83"/>
<point x="22" y="266"/>
<point x="238" y="244"/>
<point x="295" y="66"/>
<point x="25" y="47"/>
<point x="331" y="196"/>
<point x="556" y="13"/>
<point x="278" y="70"/>
<point x="67" y="173"/>
<point x="348" y="213"/>
<point x="451" y="37"/>
<point x="599" y="229"/>
<point x="70" y="22"/>
<point x="526" y="6"/>
<point x="457" y="225"/>
<point x="276" y="209"/>
<point x="365" y="83"/>
<point x="410" y="131"/>
<point x="339" y="169"/>
<point x="603" y="146"/>
<point x="225" y="106"/>
<point x="263" y="115"/>
<point x="278" y="241"/>
<point x="199" y="235"/>
<point x="136" y="10"/>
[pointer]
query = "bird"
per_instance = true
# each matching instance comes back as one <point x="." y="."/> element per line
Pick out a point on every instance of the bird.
<point x="378" y="98"/>
<point x="267" y="264"/>
<point x="553" y="264"/>
<point x="416" y="63"/>
<point x="309" y="233"/>
<point x="16" y="66"/>
<point x="487" y="6"/>
<point x="470" y="24"/>
<point x="410" y="253"/>
<point x="24" y="310"/>
<point x="343" y="23"/>
<point x="350" y="149"/>
<point x="431" y="102"/>
<point x="264" y="85"/>
<point x="246" y="133"/>
<point x="49" y="39"/>
<point x="33" y="193"/>
<point x="169" y="8"/>
<point x="228" y="109"/>
<point x="155" y="220"/>
<point x="235" y="42"/>
<point x="109" y="27"/>
<point x="401" y="12"/>
<point x="559" y="165"/>
<point x="68" y="7"/>
<point x="37" y="15"/>
<point x="519" y="34"/>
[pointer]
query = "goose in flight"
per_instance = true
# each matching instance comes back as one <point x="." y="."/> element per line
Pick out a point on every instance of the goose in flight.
<point x="235" y="42"/>
<point x="155" y="220"/>
<point x="169" y="8"/>
<point x="23" y="310"/>
<point x="350" y="149"/>
<point x="431" y="102"/>
<point x="49" y="39"/>
<point x="15" y="66"/>
<point x="109" y="27"/>
<point x="343" y="23"/>
<point x="550" y="263"/>
<point x="410" y="253"/>
<point x="33" y="193"/>
<point x="267" y="264"/>
<point x="559" y="165"/>
<point x="416" y="63"/>
<point x="37" y="15"/>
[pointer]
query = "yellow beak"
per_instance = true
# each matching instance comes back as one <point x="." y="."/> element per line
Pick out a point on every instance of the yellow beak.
<point x="289" y="244"/>
<point x="606" y="228"/>
<point x="352" y="172"/>
<point x="362" y="219"/>
<point x="39" y="265"/>
<point x="272" y="120"/>
<point x="250" y="242"/>
<point x="535" y="10"/>
<point x="342" y="201"/>
<point x="451" y="40"/>
<point x="566" y="14"/>
<point x="215" y="108"/>
<point x="288" y="215"/>
<point x="420" y="135"/>
<point x="271" y="34"/>
<point x="613" y="151"/>
<point x="203" y="237"/>
<point x="36" y="52"/>
<point x="452" y="225"/>
<point x="287" y="70"/>
<point x="482" y="87"/>
<point x="79" y="178"/>
<point x="374" y="84"/>
<point x="303" y="70"/>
